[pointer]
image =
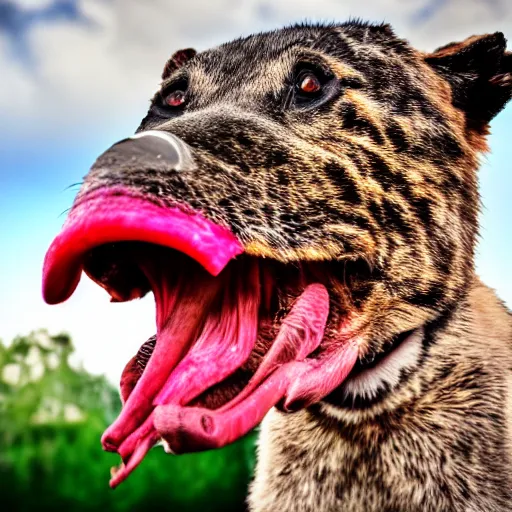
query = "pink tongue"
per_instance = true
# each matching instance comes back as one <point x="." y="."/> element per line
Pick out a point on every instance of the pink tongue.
<point x="206" y="329"/>
<point x="296" y="383"/>
<point x="225" y="343"/>
<point x="180" y="314"/>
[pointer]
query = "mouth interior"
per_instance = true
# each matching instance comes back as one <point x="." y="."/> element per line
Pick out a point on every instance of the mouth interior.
<point x="227" y="349"/>
<point x="235" y="335"/>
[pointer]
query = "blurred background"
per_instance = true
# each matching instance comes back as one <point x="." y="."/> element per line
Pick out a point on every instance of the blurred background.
<point x="75" y="76"/>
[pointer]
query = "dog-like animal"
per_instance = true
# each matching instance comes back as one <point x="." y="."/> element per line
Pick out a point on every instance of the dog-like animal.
<point x="331" y="173"/>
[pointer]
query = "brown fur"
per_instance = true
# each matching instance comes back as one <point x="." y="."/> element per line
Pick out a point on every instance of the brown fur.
<point x="378" y="182"/>
<point x="441" y="442"/>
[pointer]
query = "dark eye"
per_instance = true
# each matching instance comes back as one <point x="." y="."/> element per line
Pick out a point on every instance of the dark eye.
<point x="174" y="95"/>
<point x="175" y="98"/>
<point x="308" y="83"/>
<point x="313" y="85"/>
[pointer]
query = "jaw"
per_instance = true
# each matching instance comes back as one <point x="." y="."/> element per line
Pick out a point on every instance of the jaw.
<point x="236" y="335"/>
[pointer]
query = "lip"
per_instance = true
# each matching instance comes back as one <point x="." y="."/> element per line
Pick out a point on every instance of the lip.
<point x="119" y="214"/>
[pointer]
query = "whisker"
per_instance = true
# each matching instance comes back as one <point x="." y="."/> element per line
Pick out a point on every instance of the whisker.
<point x="77" y="184"/>
<point x="66" y="211"/>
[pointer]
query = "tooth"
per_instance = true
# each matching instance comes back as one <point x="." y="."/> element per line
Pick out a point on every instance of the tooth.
<point x="114" y="470"/>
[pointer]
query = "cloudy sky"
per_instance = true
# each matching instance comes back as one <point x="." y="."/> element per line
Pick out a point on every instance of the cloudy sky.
<point x="76" y="75"/>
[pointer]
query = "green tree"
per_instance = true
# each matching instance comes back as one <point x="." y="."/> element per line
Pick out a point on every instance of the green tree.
<point x="52" y="416"/>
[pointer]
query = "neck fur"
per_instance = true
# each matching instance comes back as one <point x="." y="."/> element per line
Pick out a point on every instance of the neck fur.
<point x="386" y="375"/>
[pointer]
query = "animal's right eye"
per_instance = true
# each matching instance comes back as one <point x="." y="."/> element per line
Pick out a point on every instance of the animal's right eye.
<point x="175" y="99"/>
<point x="308" y="83"/>
<point x="174" y="95"/>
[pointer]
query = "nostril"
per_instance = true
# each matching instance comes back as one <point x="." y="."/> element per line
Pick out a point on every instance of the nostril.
<point x="166" y="146"/>
<point x="153" y="149"/>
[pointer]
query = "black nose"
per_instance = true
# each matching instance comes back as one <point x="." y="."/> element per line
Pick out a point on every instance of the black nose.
<point x="152" y="149"/>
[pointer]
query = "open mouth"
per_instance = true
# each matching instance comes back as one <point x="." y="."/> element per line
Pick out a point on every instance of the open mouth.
<point x="235" y="334"/>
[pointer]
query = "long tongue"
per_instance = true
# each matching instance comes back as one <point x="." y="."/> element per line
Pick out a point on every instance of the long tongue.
<point x="182" y="304"/>
<point x="296" y="384"/>
<point x="300" y="334"/>
<point x="225" y="343"/>
<point x="206" y="329"/>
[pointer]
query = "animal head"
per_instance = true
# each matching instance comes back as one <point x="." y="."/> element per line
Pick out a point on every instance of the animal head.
<point x="316" y="190"/>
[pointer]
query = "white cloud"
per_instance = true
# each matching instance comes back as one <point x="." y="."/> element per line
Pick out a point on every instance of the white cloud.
<point x="33" y="4"/>
<point x="90" y="75"/>
<point x="457" y="19"/>
<point x="15" y="87"/>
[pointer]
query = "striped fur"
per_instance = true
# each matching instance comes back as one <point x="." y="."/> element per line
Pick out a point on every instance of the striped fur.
<point x="378" y="181"/>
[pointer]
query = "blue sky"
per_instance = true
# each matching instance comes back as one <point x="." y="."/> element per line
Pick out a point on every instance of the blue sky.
<point x="77" y="75"/>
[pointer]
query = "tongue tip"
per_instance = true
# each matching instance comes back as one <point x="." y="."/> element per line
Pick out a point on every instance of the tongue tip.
<point x="117" y="476"/>
<point x="108" y="447"/>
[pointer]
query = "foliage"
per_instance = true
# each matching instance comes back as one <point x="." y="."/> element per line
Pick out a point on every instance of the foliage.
<point x="51" y="419"/>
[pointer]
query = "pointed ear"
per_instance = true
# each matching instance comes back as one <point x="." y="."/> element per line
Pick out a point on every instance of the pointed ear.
<point x="178" y="59"/>
<point x="479" y="70"/>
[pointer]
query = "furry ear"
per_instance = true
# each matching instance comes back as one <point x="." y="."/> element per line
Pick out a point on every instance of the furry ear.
<point x="479" y="70"/>
<point x="178" y="59"/>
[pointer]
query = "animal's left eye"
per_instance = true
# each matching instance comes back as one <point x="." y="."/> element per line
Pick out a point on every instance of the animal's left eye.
<point x="308" y="83"/>
<point x="312" y="86"/>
